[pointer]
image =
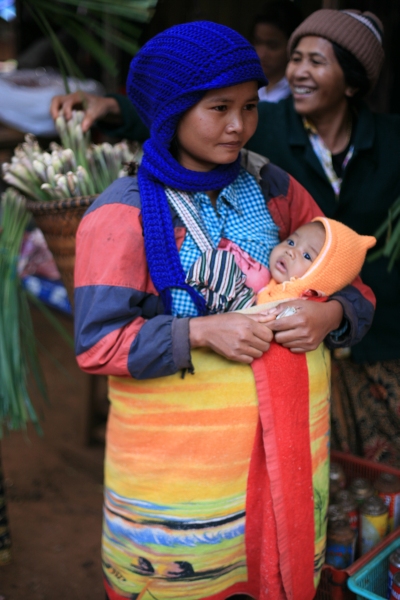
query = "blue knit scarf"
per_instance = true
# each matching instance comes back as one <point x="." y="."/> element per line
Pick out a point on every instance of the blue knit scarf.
<point x="169" y="75"/>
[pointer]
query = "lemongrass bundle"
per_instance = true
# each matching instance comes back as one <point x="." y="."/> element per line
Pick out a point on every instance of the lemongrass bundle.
<point x="18" y="356"/>
<point x="77" y="168"/>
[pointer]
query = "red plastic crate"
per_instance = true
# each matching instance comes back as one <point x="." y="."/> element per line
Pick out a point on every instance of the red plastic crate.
<point x="333" y="584"/>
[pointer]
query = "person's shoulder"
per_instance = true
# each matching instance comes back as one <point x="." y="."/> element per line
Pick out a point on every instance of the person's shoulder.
<point x="274" y="181"/>
<point x="390" y="123"/>
<point x="275" y="109"/>
<point x="124" y="190"/>
<point x="271" y="136"/>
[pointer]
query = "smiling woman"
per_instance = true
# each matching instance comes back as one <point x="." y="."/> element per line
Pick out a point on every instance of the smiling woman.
<point x="347" y="158"/>
<point x="320" y="91"/>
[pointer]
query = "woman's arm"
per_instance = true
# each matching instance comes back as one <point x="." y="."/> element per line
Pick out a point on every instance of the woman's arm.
<point x="95" y="108"/>
<point x="119" y="326"/>
<point x="114" y="114"/>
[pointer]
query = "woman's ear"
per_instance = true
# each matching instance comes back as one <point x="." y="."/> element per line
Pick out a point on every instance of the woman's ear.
<point x="350" y="91"/>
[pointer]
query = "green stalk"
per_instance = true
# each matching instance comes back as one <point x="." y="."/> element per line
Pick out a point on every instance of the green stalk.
<point x="17" y="341"/>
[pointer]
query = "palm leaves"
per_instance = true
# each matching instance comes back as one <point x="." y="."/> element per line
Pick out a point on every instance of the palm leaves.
<point x="391" y="227"/>
<point x="91" y="23"/>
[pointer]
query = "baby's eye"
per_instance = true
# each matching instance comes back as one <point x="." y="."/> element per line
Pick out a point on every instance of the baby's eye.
<point x="307" y="256"/>
<point x="290" y="242"/>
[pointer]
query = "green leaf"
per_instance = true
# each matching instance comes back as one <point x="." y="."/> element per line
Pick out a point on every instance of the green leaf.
<point x="121" y="14"/>
<point x="17" y="340"/>
<point x="393" y="240"/>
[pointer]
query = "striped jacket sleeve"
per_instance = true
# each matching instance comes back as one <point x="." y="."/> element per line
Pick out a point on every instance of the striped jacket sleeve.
<point x="119" y="326"/>
<point x="291" y="206"/>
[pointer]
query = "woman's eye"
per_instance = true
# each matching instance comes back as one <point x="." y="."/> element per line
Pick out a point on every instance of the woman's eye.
<point x="251" y="106"/>
<point x="220" y="108"/>
<point x="307" y="256"/>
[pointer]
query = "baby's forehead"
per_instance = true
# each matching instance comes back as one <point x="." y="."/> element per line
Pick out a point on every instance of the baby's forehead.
<point x="314" y="229"/>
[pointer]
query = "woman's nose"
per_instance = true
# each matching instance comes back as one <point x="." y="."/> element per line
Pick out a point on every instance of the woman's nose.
<point x="300" y="69"/>
<point x="235" y="123"/>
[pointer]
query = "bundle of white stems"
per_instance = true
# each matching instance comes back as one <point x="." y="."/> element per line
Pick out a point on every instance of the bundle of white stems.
<point x="77" y="168"/>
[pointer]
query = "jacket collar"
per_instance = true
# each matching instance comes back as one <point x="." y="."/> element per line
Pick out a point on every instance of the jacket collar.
<point x="364" y="133"/>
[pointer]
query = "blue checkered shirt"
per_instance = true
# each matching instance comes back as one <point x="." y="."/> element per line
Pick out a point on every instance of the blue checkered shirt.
<point x="241" y="215"/>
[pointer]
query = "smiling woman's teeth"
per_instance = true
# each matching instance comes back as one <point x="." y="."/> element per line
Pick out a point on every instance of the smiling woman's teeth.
<point x="303" y="90"/>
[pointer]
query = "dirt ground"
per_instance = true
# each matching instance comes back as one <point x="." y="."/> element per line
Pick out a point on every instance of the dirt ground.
<point x="54" y="487"/>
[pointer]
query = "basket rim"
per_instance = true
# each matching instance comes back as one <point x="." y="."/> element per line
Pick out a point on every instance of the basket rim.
<point x="45" y="206"/>
<point x="353" y="581"/>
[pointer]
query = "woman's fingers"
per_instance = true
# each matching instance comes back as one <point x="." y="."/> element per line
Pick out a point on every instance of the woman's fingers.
<point x="308" y="327"/>
<point x="235" y="336"/>
<point x="66" y="104"/>
<point x="95" y="107"/>
<point x="263" y="317"/>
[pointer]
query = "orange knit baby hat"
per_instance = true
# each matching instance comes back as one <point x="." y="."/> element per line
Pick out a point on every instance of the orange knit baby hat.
<point x="340" y="260"/>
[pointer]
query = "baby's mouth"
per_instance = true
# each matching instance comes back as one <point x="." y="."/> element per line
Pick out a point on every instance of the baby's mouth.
<point x="281" y="266"/>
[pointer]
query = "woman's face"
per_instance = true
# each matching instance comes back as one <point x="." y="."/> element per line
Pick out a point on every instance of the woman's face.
<point x="270" y="44"/>
<point x="215" y="129"/>
<point x="316" y="78"/>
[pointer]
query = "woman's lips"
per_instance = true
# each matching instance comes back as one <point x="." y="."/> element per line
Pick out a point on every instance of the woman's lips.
<point x="234" y="145"/>
<point x="301" y="91"/>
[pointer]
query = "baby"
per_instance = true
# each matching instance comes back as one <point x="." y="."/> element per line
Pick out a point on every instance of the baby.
<point x="318" y="259"/>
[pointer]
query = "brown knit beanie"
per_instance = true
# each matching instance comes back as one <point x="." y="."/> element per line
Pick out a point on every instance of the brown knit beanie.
<point x="358" y="32"/>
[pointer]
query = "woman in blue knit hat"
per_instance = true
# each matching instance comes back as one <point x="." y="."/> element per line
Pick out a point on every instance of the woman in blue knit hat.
<point x="188" y="508"/>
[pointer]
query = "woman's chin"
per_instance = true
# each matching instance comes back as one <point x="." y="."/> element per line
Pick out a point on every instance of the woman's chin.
<point x="303" y="106"/>
<point x="228" y="156"/>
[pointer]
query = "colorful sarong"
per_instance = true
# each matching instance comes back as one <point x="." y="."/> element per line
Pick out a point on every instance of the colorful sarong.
<point x="193" y="509"/>
<point x="366" y="409"/>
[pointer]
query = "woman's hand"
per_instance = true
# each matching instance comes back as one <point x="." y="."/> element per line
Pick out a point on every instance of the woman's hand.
<point x="238" y="337"/>
<point x="308" y="327"/>
<point x="95" y="107"/>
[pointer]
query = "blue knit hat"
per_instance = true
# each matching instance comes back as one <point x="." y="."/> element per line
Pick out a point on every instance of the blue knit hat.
<point x="174" y="69"/>
<point x="169" y="75"/>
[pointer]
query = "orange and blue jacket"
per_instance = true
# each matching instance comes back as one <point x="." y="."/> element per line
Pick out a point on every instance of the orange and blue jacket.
<point x="120" y="325"/>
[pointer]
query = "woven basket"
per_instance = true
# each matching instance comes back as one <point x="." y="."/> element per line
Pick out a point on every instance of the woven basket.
<point x="59" y="221"/>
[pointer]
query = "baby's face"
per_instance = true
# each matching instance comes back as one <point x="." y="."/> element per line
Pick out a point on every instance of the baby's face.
<point x="295" y="255"/>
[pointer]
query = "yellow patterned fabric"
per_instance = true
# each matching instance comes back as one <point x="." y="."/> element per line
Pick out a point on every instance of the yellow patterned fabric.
<point x="179" y="453"/>
<point x="172" y="507"/>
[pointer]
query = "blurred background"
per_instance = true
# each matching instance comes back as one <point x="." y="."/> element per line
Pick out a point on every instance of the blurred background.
<point x="54" y="484"/>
